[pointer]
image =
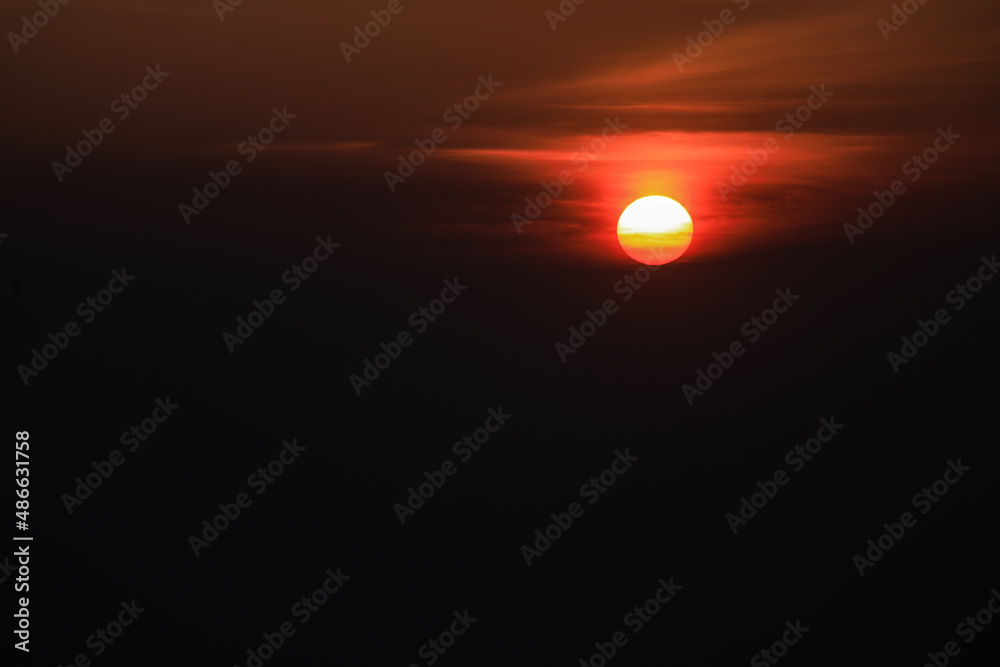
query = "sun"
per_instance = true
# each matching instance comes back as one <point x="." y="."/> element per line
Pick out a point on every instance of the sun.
<point x="655" y="230"/>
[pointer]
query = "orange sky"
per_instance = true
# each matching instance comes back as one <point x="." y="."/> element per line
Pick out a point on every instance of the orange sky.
<point x="685" y="132"/>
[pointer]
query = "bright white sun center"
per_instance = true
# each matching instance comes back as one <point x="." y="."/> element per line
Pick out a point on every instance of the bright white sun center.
<point x="655" y="230"/>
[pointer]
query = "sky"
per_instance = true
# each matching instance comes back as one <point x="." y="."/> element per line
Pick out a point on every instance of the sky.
<point x="366" y="248"/>
<point x="686" y="130"/>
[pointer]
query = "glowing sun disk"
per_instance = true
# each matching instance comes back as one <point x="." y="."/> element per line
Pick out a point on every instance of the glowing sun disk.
<point x="655" y="230"/>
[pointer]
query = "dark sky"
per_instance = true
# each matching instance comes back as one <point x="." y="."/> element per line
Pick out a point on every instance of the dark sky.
<point x="601" y="102"/>
<point x="685" y="129"/>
